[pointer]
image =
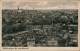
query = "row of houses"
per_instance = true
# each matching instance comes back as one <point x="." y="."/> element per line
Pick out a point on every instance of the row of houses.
<point x="31" y="35"/>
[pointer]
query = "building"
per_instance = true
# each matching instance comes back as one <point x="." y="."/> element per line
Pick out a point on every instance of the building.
<point x="73" y="29"/>
<point x="19" y="10"/>
<point x="30" y="40"/>
<point x="47" y="29"/>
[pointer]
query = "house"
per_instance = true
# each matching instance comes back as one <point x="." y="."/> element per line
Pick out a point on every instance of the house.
<point x="30" y="40"/>
<point x="73" y="29"/>
<point x="74" y="37"/>
<point x="47" y="26"/>
<point x="36" y="27"/>
<point x="47" y="29"/>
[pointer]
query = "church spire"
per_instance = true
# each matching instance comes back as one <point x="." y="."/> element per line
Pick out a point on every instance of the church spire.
<point x="19" y="10"/>
<point x="18" y="7"/>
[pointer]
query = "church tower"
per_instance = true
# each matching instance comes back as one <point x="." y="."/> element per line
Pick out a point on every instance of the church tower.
<point x="18" y="7"/>
<point x="19" y="10"/>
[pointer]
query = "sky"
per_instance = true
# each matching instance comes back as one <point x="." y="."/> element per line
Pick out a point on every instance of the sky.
<point x="40" y="5"/>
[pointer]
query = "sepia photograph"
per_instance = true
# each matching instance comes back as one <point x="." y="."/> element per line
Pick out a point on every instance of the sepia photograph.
<point x="39" y="24"/>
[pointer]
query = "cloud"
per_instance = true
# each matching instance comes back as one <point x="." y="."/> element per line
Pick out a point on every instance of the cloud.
<point x="60" y="7"/>
<point x="17" y="3"/>
<point x="71" y="6"/>
<point x="42" y="3"/>
<point x="26" y="7"/>
<point x="48" y="7"/>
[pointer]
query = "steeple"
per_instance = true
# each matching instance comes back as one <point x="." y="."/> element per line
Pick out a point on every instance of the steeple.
<point x="18" y="7"/>
<point x="19" y="10"/>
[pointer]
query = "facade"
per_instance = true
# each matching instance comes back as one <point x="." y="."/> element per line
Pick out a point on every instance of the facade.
<point x="30" y="40"/>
